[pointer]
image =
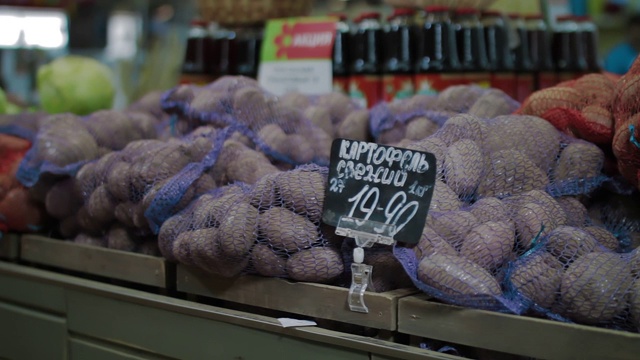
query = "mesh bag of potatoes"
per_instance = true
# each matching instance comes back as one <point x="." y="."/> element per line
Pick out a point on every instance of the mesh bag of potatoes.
<point x="626" y="137"/>
<point x="505" y="185"/>
<point x="400" y="123"/>
<point x="294" y="129"/>
<point x="107" y="201"/>
<point x="271" y="228"/>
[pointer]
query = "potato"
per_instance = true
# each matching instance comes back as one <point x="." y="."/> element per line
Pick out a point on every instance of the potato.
<point x="124" y="213"/>
<point x="85" y="239"/>
<point x="355" y="126"/>
<point x="209" y="101"/>
<point x="420" y="127"/>
<point x="248" y="167"/>
<point x="101" y="206"/>
<point x="568" y="243"/>
<point x="286" y="230"/>
<point x="532" y="219"/>
<point x="320" y="117"/>
<point x="238" y="230"/>
<point x="118" y="181"/>
<point x="169" y="231"/>
<point x="393" y="134"/>
<point x="264" y="193"/>
<point x="556" y="97"/>
<point x="634" y="303"/>
<point x="579" y="160"/>
<point x="61" y="200"/>
<point x="493" y="103"/>
<point x="185" y="244"/>
<point x="603" y="237"/>
<point x="112" y="129"/>
<point x="490" y="244"/>
<point x="538" y="281"/>
<point x="144" y="124"/>
<point x="542" y="198"/>
<point x="594" y="288"/>
<point x="431" y="243"/>
<point x="489" y="209"/>
<point x="267" y="262"/>
<point x="600" y="117"/>
<point x="444" y="199"/>
<point x="321" y="145"/>
<point x="435" y="146"/>
<point x="295" y="100"/>
<point x="453" y="226"/>
<point x="209" y="210"/>
<point x="534" y="137"/>
<point x="302" y="192"/>
<point x="459" y="98"/>
<point x="162" y="164"/>
<point x="299" y="149"/>
<point x="118" y="238"/>
<point x="274" y="137"/>
<point x="576" y="212"/>
<point x="463" y="126"/>
<point x="63" y="140"/>
<point x="463" y="166"/>
<point x="339" y="105"/>
<point x="510" y="172"/>
<point x="456" y="276"/>
<point x="183" y="93"/>
<point x="419" y="102"/>
<point x="315" y="265"/>
<point x="88" y="223"/>
<point x="387" y="274"/>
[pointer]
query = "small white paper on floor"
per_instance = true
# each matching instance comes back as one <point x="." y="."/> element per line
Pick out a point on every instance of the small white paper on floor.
<point x="286" y="322"/>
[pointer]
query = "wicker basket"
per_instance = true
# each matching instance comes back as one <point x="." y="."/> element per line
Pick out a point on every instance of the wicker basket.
<point x="243" y="12"/>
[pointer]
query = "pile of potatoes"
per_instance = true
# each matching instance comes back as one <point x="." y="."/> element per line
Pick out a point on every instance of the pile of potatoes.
<point x="420" y="116"/>
<point x="271" y="228"/>
<point x="294" y="128"/>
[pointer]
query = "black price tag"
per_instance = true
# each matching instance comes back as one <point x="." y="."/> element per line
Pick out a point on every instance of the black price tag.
<point x="381" y="184"/>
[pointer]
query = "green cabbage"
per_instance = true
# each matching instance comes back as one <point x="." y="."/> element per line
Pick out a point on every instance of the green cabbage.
<point x="3" y="102"/>
<point x="75" y="84"/>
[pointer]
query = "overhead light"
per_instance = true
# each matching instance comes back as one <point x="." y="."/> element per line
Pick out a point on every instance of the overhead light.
<point x="9" y="30"/>
<point x="33" y="28"/>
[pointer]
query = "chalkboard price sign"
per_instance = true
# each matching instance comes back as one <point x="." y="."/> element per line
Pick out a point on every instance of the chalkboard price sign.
<point x="382" y="184"/>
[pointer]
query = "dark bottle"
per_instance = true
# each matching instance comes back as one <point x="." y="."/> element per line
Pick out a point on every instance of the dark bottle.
<point x="471" y="48"/>
<point x="589" y="34"/>
<point x="248" y="44"/>
<point x="568" y="51"/>
<point x="365" y="80"/>
<point x="340" y="57"/>
<point x="540" y="40"/>
<point x="398" y="48"/>
<point x="525" y="72"/>
<point x="226" y="49"/>
<point x="437" y="65"/>
<point x="199" y="55"/>
<point x="499" y="57"/>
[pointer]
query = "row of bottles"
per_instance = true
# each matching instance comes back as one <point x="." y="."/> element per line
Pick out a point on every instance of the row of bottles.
<point x="409" y="54"/>
<point x="420" y="52"/>
<point x="215" y="52"/>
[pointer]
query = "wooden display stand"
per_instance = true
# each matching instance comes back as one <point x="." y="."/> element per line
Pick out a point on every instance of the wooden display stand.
<point x="519" y="335"/>
<point x="46" y="315"/>
<point x="93" y="260"/>
<point x="308" y="299"/>
<point x="9" y="246"/>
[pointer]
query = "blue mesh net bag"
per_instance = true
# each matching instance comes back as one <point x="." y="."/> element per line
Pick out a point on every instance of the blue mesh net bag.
<point x="271" y="228"/>
<point x="293" y="129"/>
<point x="401" y="123"/>
<point x="506" y="185"/>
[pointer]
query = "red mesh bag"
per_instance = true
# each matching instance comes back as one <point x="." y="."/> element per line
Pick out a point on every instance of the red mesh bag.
<point x="581" y="108"/>
<point x="17" y="211"/>
<point x="626" y="109"/>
